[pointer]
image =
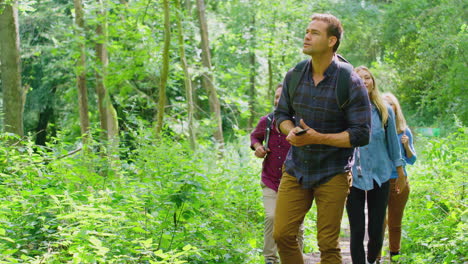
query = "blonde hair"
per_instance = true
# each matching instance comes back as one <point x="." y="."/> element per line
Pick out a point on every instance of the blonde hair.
<point x="399" y="117"/>
<point x="375" y="97"/>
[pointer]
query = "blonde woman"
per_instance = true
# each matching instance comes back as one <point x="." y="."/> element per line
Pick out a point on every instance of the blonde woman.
<point x="371" y="174"/>
<point x="397" y="201"/>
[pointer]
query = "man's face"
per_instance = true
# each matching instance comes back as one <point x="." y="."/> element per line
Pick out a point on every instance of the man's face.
<point x="278" y="95"/>
<point x="316" y="39"/>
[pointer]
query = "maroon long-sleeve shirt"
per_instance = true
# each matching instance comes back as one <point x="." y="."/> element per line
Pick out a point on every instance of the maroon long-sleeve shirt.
<point x="279" y="147"/>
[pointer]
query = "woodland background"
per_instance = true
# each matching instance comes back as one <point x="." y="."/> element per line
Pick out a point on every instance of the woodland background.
<point x="125" y="123"/>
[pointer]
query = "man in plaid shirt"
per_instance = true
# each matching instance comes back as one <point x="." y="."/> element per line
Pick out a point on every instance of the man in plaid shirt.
<point x="319" y="162"/>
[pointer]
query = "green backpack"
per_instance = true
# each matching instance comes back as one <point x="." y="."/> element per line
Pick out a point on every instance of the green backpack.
<point x="344" y="80"/>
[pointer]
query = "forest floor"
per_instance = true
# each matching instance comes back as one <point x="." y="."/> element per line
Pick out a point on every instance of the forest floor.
<point x="314" y="257"/>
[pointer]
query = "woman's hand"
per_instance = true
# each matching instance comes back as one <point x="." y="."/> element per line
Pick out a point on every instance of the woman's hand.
<point x="404" y="140"/>
<point x="400" y="183"/>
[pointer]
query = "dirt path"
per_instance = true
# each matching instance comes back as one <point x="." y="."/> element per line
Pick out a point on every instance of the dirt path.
<point x="314" y="257"/>
<point x="345" y="251"/>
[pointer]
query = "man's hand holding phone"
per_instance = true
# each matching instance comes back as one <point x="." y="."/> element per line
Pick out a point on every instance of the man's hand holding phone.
<point x="302" y="135"/>
<point x="302" y="132"/>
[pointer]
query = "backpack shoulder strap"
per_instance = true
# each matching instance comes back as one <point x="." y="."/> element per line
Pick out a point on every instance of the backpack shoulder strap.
<point x="341" y="58"/>
<point x="294" y="78"/>
<point x="269" y="119"/>
<point x="343" y="85"/>
<point x="268" y="129"/>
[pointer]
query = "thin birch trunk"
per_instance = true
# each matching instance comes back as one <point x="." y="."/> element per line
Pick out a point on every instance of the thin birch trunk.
<point x="165" y="68"/>
<point x="253" y="72"/>
<point x="188" y="79"/>
<point x="81" y="72"/>
<point x="107" y="113"/>
<point x="207" y="78"/>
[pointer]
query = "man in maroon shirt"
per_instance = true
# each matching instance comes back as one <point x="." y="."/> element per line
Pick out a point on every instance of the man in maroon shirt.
<point x="274" y="157"/>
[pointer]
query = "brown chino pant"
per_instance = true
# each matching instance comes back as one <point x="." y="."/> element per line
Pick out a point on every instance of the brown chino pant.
<point x="396" y="206"/>
<point x="269" y="246"/>
<point x="293" y="203"/>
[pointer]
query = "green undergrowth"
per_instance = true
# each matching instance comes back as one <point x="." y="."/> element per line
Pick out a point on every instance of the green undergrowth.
<point x="165" y="203"/>
<point x="436" y="218"/>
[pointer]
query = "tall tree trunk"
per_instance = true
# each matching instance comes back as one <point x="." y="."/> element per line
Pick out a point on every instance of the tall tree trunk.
<point x="270" y="78"/>
<point x="188" y="79"/>
<point x="13" y="94"/>
<point x="252" y="92"/>
<point x="165" y="68"/>
<point x="45" y="117"/>
<point x="81" y="72"/>
<point x="207" y="78"/>
<point x="107" y="113"/>
<point x="41" y="128"/>
<point x="271" y="86"/>
<point x="188" y="7"/>
<point x="253" y="72"/>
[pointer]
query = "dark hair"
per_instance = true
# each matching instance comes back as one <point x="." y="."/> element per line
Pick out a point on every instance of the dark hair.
<point x="334" y="26"/>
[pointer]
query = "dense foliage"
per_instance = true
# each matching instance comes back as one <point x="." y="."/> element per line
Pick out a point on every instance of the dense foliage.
<point x="158" y="200"/>
<point x="164" y="205"/>
<point x="167" y="204"/>
<point x="436" y="218"/>
<point x="415" y="47"/>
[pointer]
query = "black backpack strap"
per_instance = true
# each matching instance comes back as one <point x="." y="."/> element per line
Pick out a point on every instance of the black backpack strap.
<point x="343" y="85"/>
<point x="268" y="129"/>
<point x="269" y="119"/>
<point x="294" y="79"/>
<point x="341" y="58"/>
<point x="345" y="70"/>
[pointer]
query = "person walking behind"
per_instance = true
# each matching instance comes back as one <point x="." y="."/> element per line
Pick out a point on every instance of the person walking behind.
<point x="371" y="174"/>
<point x="270" y="145"/>
<point x="397" y="201"/>
<point x="319" y="162"/>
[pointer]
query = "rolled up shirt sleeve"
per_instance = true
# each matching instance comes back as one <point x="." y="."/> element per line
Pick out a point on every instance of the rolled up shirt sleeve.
<point x="393" y="143"/>
<point x="258" y="135"/>
<point x="358" y="113"/>
<point x="411" y="160"/>
<point x="284" y="110"/>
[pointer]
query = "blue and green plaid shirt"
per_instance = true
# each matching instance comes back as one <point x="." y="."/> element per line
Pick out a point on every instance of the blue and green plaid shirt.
<point x="313" y="165"/>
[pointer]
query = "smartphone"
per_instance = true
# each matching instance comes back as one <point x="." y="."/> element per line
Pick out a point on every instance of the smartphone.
<point x="301" y="132"/>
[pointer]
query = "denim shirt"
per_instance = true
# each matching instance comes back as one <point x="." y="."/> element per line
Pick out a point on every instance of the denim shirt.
<point x="411" y="160"/>
<point x="380" y="156"/>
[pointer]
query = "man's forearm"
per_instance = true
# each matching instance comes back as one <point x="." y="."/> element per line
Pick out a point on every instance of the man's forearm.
<point x="340" y="140"/>
<point x="312" y="137"/>
<point x="286" y="126"/>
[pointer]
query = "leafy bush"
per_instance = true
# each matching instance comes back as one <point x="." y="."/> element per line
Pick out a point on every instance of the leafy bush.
<point x="166" y="204"/>
<point x="436" y="216"/>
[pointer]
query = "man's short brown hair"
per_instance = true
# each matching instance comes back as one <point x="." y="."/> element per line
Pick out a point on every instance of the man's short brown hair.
<point x="334" y="26"/>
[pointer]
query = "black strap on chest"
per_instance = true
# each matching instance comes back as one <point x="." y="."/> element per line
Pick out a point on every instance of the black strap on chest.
<point x="268" y="129"/>
<point x="343" y="84"/>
